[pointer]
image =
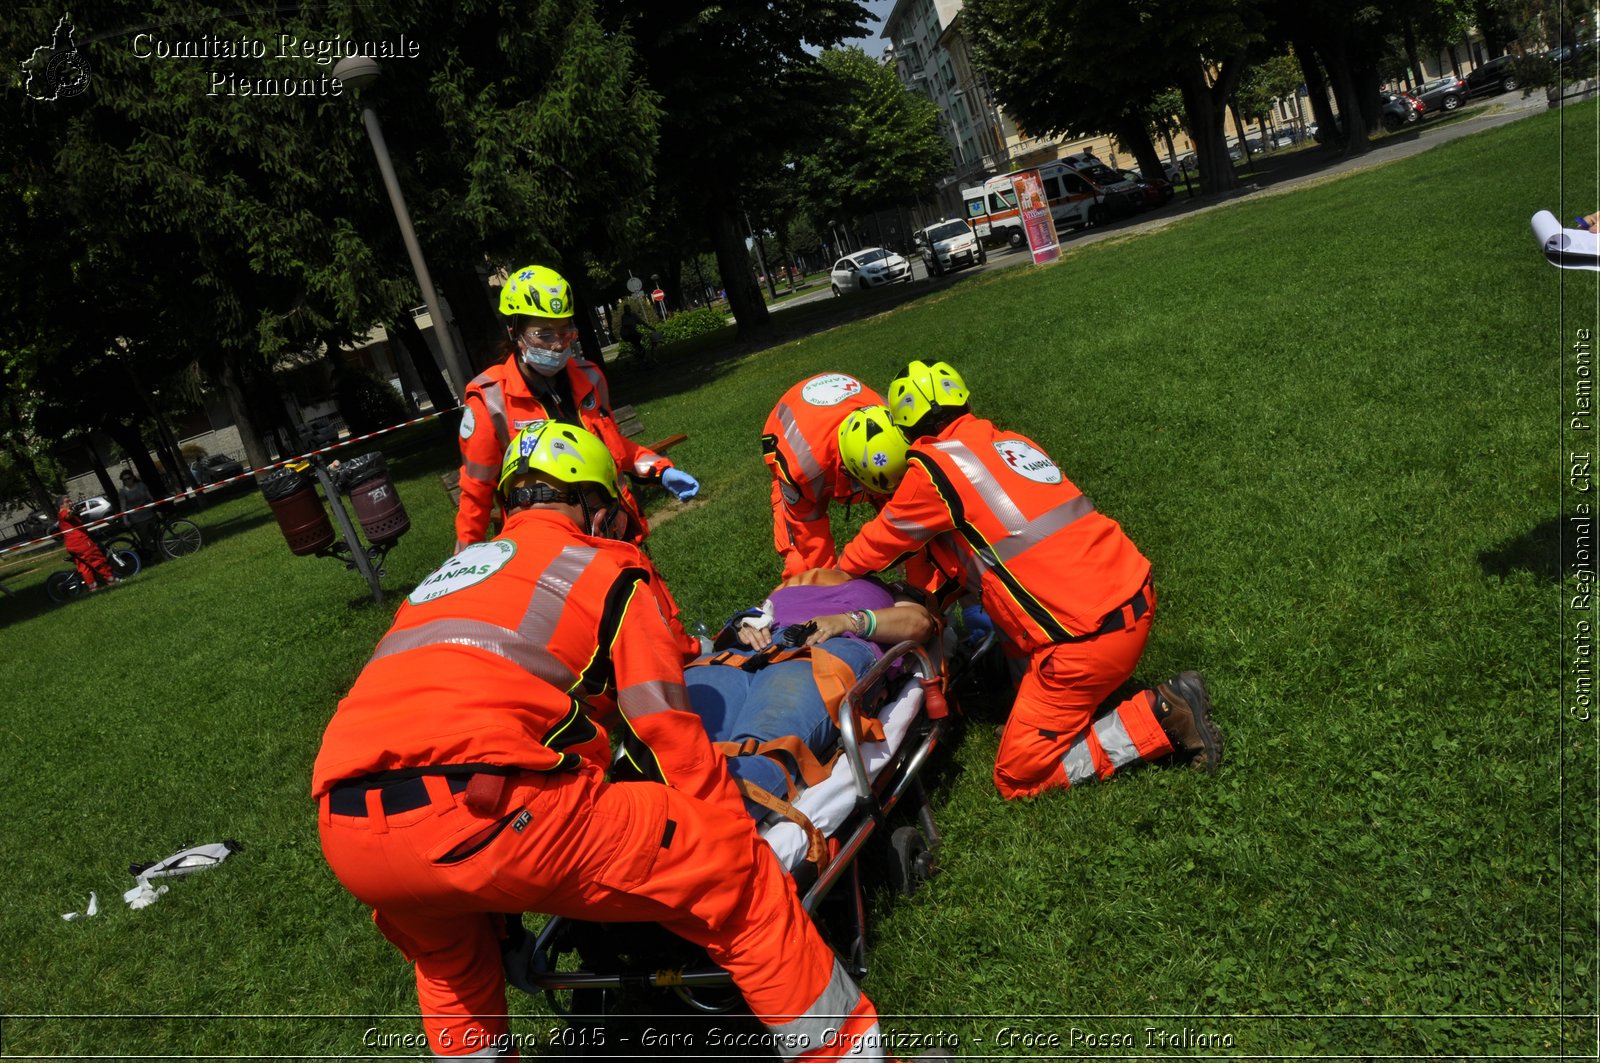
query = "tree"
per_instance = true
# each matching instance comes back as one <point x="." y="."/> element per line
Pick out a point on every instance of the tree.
<point x="1087" y="66"/>
<point x="741" y="90"/>
<point x="880" y="146"/>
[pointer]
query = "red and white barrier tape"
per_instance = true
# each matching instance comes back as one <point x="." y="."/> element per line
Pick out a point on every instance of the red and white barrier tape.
<point x="187" y="494"/>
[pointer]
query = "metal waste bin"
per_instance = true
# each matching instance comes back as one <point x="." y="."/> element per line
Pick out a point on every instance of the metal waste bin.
<point x="366" y="480"/>
<point x="301" y="516"/>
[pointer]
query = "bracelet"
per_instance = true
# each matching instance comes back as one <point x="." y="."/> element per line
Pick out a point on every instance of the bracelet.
<point x="858" y="620"/>
<point x="872" y="623"/>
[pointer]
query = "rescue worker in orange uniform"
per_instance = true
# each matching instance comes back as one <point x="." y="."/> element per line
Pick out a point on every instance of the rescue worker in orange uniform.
<point x="1061" y="581"/>
<point x="462" y="776"/>
<point x="800" y="445"/>
<point x="542" y="378"/>
<point x="84" y="551"/>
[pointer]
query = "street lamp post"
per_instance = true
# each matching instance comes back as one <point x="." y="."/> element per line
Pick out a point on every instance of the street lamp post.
<point x="359" y="72"/>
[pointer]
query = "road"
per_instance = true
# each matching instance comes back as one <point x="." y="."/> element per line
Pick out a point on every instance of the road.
<point x="1277" y="174"/>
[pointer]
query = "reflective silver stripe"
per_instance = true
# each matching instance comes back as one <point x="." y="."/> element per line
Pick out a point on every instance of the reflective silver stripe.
<point x="494" y="401"/>
<point x="480" y="472"/>
<point x="1021" y="534"/>
<point x="810" y="470"/>
<point x="643" y="466"/>
<point x="533" y="658"/>
<point x="1079" y="762"/>
<point x="977" y="473"/>
<point x="917" y="533"/>
<point x="652" y="696"/>
<point x="549" y="598"/>
<point x="597" y="382"/>
<point x="1043" y="526"/>
<point x="1119" y="748"/>
<point x="821" y="1020"/>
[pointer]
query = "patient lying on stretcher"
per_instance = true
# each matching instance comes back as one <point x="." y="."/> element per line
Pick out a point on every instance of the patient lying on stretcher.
<point x="770" y="700"/>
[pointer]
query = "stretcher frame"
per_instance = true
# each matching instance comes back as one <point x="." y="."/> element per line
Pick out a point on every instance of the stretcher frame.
<point x="876" y="798"/>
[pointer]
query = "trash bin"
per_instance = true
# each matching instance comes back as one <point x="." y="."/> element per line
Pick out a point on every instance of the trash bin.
<point x="301" y="517"/>
<point x="366" y="480"/>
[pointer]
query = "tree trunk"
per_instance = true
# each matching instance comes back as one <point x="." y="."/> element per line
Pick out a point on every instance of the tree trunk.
<point x="1316" y="90"/>
<point x="1353" y="124"/>
<point x="1134" y="134"/>
<point x="733" y="262"/>
<point x="476" y="319"/>
<point x="132" y="443"/>
<point x="239" y="408"/>
<point x="98" y="464"/>
<point x="1202" y="104"/>
<point x="1238" y="124"/>
<point x="417" y="352"/>
<point x="1408" y="34"/>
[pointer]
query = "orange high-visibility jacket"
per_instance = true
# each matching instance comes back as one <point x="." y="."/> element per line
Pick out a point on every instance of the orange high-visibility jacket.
<point x="800" y="442"/>
<point x="499" y="403"/>
<point x="1051" y="567"/>
<point x="489" y="662"/>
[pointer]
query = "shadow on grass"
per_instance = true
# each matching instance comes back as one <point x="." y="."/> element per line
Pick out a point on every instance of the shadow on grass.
<point x="1537" y="550"/>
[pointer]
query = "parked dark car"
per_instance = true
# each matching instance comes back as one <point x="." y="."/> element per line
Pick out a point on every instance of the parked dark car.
<point x="1442" y="94"/>
<point x="214" y="467"/>
<point x="1155" y="190"/>
<point x="1497" y="75"/>
<point x="1399" y="110"/>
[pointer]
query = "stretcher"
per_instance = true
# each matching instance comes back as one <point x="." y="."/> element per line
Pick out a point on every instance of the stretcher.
<point x="583" y="971"/>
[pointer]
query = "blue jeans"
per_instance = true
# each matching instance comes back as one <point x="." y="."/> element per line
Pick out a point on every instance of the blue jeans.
<point x="780" y="699"/>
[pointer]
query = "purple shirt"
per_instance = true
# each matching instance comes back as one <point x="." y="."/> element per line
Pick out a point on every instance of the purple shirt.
<point x="796" y="605"/>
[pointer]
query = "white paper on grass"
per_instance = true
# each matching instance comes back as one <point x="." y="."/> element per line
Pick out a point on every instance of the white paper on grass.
<point x="1566" y="248"/>
<point x="92" y="910"/>
<point x="186" y="862"/>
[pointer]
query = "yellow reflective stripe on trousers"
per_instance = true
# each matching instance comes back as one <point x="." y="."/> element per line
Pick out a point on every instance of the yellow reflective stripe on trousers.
<point x="821" y="1022"/>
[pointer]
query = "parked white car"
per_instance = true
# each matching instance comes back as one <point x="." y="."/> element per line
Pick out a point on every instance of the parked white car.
<point x="948" y="245"/>
<point x="872" y="267"/>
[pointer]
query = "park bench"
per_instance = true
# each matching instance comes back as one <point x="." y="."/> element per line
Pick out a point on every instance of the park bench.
<point x="629" y="423"/>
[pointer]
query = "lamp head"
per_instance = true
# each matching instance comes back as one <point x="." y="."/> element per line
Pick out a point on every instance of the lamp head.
<point x="357" y="71"/>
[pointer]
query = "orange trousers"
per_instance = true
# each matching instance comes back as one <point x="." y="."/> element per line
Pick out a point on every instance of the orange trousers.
<point x="92" y="566"/>
<point x="1052" y="739"/>
<point x="572" y="844"/>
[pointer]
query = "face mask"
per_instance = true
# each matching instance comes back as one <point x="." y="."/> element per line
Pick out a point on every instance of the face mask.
<point x="542" y="361"/>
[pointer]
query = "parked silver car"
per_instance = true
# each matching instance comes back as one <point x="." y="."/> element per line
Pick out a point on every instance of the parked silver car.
<point x="948" y="245"/>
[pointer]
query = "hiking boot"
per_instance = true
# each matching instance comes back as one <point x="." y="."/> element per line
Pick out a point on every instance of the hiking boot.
<point x="1183" y="708"/>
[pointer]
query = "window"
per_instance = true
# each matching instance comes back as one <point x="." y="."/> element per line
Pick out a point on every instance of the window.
<point x="1052" y="188"/>
<point x="1000" y="201"/>
<point x="975" y="208"/>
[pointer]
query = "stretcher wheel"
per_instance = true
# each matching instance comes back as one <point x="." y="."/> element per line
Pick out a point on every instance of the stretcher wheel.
<point x="914" y="863"/>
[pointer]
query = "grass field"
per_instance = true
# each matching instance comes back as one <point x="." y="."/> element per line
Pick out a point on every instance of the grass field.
<point x="1333" y="419"/>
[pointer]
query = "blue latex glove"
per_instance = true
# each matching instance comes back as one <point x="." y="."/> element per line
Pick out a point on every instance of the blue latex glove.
<point x="681" y="484"/>
<point x="977" y="623"/>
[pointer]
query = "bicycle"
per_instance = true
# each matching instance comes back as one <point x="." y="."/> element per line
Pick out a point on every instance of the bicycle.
<point x="64" y="586"/>
<point x="175" y="537"/>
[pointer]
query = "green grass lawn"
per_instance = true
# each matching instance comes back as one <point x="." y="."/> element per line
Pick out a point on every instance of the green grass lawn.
<point x="1332" y="419"/>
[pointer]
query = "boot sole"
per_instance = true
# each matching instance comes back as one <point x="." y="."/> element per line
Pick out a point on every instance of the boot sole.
<point x="1193" y="688"/>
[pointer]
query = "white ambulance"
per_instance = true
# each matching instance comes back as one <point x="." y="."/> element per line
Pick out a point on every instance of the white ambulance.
<point x="1075" y="202"/>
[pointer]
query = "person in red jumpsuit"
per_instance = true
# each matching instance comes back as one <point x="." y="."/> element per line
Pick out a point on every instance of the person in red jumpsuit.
<point x="1063" y="583"/>
<point x="799" y="443"/>
<point x="464" y="775"/>
<point x="84" y="551"/>
<point x="542" y="378"/>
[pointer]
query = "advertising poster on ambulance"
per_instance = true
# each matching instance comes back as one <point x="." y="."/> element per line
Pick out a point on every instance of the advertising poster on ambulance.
<point x="1036" y="219"/>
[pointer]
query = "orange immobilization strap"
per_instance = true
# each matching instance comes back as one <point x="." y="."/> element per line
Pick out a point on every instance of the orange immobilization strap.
<point x="834" y="679"/>
<point x="812" y="770"/>
<point x="817" y="845"/>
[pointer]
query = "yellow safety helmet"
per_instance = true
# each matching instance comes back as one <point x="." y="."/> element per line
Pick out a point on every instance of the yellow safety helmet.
<point x="920" y="388"/>
<point x="559" y="452"/>
<point x="536" y="291"/>
<point x="872" y="449"/>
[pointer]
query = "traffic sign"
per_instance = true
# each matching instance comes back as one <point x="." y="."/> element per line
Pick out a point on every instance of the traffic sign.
<point x="659" y="296"/>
